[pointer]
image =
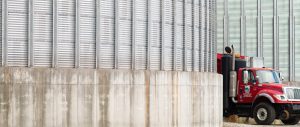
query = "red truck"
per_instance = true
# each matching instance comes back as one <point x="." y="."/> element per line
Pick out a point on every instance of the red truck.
<point x="257" y="92"/>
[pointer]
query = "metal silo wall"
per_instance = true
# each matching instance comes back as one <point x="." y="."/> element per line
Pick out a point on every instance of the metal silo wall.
<point x="1" y="44"/>
<point x="264" y="28"/>
<point x="110" y="34"/>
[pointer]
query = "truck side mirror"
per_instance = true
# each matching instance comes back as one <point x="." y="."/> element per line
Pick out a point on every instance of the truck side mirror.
<point x="256" y="79"/>
<point x="245" y="77"/>
<point x="281" y="78"/>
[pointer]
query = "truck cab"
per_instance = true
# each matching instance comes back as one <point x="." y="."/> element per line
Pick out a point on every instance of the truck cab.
<point x="257" y="91"/>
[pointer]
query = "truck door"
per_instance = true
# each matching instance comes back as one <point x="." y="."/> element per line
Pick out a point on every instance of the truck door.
<point x="246" y="87"/>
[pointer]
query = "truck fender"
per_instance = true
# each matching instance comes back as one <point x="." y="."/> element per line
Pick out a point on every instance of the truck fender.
<point x="264" y="95"/>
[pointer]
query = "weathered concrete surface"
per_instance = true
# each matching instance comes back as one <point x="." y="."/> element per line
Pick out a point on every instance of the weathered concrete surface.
<point x="41" y="97"/>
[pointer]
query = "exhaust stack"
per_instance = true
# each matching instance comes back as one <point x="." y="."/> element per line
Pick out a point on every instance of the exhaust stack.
<point x="233" y="78"/>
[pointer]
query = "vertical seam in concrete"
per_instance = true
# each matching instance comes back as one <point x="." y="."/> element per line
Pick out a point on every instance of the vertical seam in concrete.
<point x="147" y="98"/>
<point x="131" y="103"/>
<point x="95" y="113"/>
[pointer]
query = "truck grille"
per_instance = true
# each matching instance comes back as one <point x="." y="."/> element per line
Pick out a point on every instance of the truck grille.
<point x="293" y="93"/>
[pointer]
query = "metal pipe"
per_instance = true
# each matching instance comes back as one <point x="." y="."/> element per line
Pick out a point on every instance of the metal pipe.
<point x="232" y="79"/>
<point x="233" y="58"/>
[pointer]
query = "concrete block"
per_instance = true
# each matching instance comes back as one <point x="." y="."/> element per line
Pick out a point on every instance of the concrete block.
<point x="35" y="97"/>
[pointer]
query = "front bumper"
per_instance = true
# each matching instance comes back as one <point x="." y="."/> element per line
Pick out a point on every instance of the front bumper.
<point x="293" y="109"/>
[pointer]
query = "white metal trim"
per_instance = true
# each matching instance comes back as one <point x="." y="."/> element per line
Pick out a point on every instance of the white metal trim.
<point x="4" y="32"/>
<point x="30" y="34"/>
<point x="54" y="28"/>
<point x="133" y="30"/>
<point x="174" y="33"/>
<point x="97" y="34"/>
<point x="77" y="34"/>
<point x="162" y="38"/>
<point x="193" y="37"/>
<point x="116" y="30"/>
<point x="149" y="34"/>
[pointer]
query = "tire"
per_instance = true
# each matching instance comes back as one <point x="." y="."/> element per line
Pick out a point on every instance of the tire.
<point x="291" y="121"/>
<point x="264" y="113"/>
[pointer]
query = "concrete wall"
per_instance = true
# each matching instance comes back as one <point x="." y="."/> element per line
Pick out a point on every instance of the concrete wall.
<point x="31" y="97"/>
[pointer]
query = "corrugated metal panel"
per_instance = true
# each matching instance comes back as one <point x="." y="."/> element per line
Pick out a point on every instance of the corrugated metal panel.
<point x="188" y="35"/>
<point x="87" y="33"/>
<point x="66" y="33"/>
<point x="196" y="38"/>
<point x="17" y="47"/>
<point x="202" y="35"/>
<point x="297" y="38"/>
<point x="234" y="23"/>
<point x="220" y="25"/>
<point x="206" y="35"/>
<point x="42" y="33"/>
<point x="168" y="34"/>
<point x="141" y="34"/>
<point x="276" y="29"/>
<point x="214" y="36"/>
<point x="283" y="37"/>
<point x="125" y="25"/>
<point x="1" y="48"/>
<point x="179" y="35"/>
<point x="267" y="31"/>
<point x="72" y="33"/>
<point x="107" y="32"/>
<point x="155" y="35"/>
<point x="250" y="27"/>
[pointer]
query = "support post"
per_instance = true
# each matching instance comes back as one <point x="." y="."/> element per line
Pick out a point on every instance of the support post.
<point x="54" y="38"/>
<point x="4" y="32"/>
<point x="30" y="34"/>
<point x="116" y="33"/>
<point x="149" y="35"/>
<point x="133" y="49"/>
<point x="162" y="38"/>
<point x="77" y="35"/>
<point x="291" y="43"/>
<point x="97" y="34"/>
<point x="174" y="37"/>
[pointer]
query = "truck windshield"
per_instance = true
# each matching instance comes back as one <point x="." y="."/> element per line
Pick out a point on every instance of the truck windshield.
<point x="267" y="76"/>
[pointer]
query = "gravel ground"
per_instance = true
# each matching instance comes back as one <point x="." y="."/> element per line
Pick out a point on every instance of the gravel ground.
<point x="235" y="121"/>
<point x="229" y="124"/>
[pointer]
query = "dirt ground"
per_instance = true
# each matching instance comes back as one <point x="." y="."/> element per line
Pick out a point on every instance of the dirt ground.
<point x="235" y="121"/>
<point x="230" y="124"/>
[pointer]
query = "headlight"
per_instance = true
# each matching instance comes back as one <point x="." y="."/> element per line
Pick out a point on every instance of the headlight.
<point x="281" y="97"/>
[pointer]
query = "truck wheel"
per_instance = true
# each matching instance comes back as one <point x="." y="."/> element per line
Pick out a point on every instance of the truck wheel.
<point x="264" y="113"/>
<point x="291" y="121"/>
